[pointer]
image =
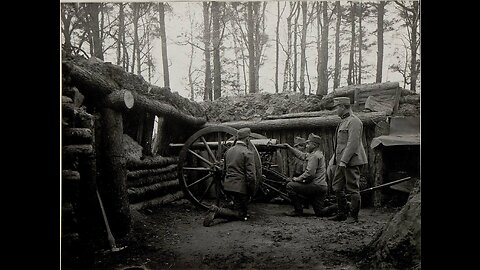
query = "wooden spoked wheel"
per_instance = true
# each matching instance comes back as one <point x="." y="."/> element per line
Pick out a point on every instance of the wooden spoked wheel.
<point x="201" y="165"/>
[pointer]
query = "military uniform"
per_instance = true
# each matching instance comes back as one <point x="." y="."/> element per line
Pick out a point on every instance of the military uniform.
<point x="297" y="166"/>
<point x="349" y="150"/>
<point x="311" y="183"/>
<point x="239" y="181"/>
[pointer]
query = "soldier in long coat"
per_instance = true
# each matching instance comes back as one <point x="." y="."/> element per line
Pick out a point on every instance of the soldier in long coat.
<point x="349" y="156"/>
<point x="239" y="181"/>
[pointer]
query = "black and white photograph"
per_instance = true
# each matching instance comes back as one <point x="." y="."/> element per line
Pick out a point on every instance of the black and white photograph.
<point x="240" y="134"/>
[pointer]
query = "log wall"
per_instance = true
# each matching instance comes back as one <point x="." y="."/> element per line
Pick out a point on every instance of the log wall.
<point x="152" y="182"/>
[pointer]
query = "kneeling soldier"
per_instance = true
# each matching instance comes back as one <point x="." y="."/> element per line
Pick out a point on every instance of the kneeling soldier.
<point x="239" y="182"/>
<point x="311" y="183"/>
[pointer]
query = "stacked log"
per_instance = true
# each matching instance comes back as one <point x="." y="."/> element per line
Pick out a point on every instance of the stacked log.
<point x="79" y="168"/>
<point x="152" y="181"/>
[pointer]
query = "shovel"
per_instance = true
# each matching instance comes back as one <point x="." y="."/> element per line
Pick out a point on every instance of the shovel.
<point x="111" y="239"/>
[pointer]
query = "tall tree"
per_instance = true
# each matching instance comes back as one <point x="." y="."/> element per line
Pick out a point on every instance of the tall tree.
<point x="277" y="43"/>
<point x="287" y="77"/>
<point x="96" y="43"/>
<point x="121" y="31"/>
<point x="260" y="38"/>
<point x="410" y="12"/>
<point x="338" y="63"/>
<point x="163" y="37"/>
<point x="295" y="55"/>
<point x="217" y="79"/>
<point x="236" y="50"/>
<point x="360" y="43"/>
<point x="67" y="12"/>
<point x="303" y="47"/>
<point x="380" y="27"/>
<point x="351" y="63"/>
<point x="136" y="45"/>
<point x="322" y="68"/>
<point x="251" y="48"/>
<point x="206" y="41"/>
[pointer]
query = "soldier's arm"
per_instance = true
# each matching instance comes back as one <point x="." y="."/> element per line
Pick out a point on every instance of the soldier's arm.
<point x="354" y="139"/>
<point x="309" y="173"/>
<point x="297" y="153"/>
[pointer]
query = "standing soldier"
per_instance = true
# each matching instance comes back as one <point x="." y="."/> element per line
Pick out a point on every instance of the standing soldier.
<point x="349" y="156"/>
<point x="311" y="183"/>
<point x="240" y="179"/>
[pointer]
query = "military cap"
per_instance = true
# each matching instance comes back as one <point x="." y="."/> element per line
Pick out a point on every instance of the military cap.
<point x="298" y="141"/>
<point x="243" y="133"/>
<point x="341" y="101"/>
<point x="314" y="138"/>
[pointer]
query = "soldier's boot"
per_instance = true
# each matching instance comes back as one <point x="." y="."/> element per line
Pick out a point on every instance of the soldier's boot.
<point x="230" y="214"/>
<point x="342" y="210"/>
<point x="319" y="206"/>
<point x="355" y="208"/>
<point x="298" y="209"/>
<point x="211" y="215"/>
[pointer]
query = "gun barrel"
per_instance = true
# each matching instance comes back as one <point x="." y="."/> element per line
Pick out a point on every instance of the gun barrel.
<point x="387" y="184"/>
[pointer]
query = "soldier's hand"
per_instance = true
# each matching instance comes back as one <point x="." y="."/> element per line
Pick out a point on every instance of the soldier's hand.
<point x="342" y="164"/>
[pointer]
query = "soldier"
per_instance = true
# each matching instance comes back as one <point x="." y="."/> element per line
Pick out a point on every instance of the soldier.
<point x="349" y="155"/>
<point x="240" y="179"/>
<point x="311" y="183"/>
<point x="296" y="164"/>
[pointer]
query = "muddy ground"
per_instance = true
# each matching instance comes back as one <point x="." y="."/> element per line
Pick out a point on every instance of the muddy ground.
<point x="172" y="237"/>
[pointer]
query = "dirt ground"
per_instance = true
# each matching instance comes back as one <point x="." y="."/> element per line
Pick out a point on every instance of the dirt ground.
<point x="172" y="237"/>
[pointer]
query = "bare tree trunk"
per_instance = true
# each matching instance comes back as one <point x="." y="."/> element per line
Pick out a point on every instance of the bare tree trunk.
<point x="380" y="15"/>
<point x="206" y="40"/>
<point x="235" y="49"/>
<point x="259" y="22"/>
<point x="287" y="74"/>
<point x="244" y="63"/>
<point x="251" y="48"/>
<point x="303" y="47"/>
<point x="295" y="26"/>
<point x="277" y="39"/>
<point x="414" y="46"/>
<point x="323" y="89"/>
<point x="163" y="36"/>
<point x="192" y="50"/>
<point x="352" y="45"/>
<point x="135" y="9"/>
<point x="360" y="44"/>
<point x="217" y="79"/>
<point x="121" y="30"/>
<point x="319" y="49"/>
<point x="96" y="42"/>
<point x="66" y="20"/>
<point x="338" y="64"/>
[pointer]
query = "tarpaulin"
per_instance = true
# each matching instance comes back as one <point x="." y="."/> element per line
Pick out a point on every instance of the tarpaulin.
<point x="403" y="131"/>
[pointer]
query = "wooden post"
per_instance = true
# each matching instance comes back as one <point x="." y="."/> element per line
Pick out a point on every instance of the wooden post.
<point x="113" y="181"/>
<point x="159" y="136"/>
<point x="149" y="120"/>
<point x="378" y="176"/>
<point x="397" y="99"/>
<point x="376" y="165"/>
<point x="355" y="99"/>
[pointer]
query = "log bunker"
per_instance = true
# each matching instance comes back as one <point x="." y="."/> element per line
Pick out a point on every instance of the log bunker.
<point x="119" y="135"/>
